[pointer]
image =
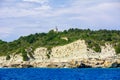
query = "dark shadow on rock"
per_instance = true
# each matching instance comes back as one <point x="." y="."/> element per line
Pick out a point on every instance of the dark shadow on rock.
<point x="26" y="66"/>
<point x="15" y="65"/>
<point x="82" y="65"/>
<point x="115" y="65"/>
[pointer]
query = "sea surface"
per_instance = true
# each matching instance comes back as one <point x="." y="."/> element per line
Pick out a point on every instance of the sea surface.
<point x="59" y="74"/>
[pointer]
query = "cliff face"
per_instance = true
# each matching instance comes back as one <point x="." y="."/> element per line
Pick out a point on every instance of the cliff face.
<point x="75" y="50"/>
<point x="70" y="53"/>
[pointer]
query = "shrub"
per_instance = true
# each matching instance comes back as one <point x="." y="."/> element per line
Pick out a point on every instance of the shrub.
<point x="24" y="55"/>
<point x="8" y="57"/>
<point x="117" y="49"/>
<point x="97" y="48"/>
<point x="48" y="56"/>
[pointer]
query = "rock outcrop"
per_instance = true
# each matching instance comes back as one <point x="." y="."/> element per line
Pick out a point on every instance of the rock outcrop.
<point x="75" y="54"/>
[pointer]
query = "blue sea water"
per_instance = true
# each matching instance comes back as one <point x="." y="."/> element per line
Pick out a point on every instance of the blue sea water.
<point x="59" y="74"/>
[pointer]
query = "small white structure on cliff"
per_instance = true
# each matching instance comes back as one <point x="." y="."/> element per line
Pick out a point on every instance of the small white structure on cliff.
<point x="56" y="29"/>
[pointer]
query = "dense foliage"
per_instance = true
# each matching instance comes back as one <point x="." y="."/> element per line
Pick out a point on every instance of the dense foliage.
<point x="93" y="39"/>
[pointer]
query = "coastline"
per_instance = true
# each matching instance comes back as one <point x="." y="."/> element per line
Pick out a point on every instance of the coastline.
<point x="72" y="64"/>
<point x="73" y="55"/>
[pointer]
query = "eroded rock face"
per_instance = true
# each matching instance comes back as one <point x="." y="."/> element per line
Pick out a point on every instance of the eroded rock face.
<point x="115" y="65"/>
<point x="82" y="65"/>
<point x="72" y="55"/>
<point x="75" y="49"/>
<point x="40" y="54"/>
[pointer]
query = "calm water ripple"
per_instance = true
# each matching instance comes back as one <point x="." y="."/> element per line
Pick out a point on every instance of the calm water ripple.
<point x="59" y="74"/>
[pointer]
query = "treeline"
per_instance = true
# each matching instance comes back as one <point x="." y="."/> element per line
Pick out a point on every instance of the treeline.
<point x="94" y="39"/>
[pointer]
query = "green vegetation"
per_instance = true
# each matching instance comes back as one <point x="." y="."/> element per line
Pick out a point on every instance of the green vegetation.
<point x="24" y="55"/>
<point x="48" y="56"/>
<point x="117" y="48"/>
<point x="49" y="52"/>
<point x="8" y="57"/>
<point x="94" y="39"/>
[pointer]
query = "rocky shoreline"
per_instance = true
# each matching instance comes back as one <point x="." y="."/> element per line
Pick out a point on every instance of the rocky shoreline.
<point x="73" y="55"/>
<point x="81" y="63"/>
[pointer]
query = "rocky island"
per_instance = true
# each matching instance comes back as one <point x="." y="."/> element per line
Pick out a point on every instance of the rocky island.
<point x="74" y="48"/>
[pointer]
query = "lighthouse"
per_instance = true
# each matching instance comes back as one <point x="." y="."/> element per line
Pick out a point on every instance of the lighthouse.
<point x="56" y="29"/>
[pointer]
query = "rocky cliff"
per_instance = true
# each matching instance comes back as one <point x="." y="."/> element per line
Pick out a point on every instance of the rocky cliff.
<point x="75" y="54"/>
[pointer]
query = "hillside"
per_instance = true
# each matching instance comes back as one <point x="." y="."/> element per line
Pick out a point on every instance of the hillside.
<point x="75" y="54"/>
<point x="93" y="40"/>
